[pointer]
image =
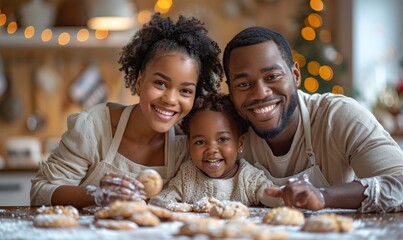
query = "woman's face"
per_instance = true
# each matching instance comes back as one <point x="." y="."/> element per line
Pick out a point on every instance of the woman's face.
<point x="214" y="143"/>
<point x="167" y="89"/>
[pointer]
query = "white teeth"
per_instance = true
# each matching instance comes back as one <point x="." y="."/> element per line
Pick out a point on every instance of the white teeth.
<point x="264" y="110"/>
<point x="212" y="161"/>
<point x="165" y="112"/>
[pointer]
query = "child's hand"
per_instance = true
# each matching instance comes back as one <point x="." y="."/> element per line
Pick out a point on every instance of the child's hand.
<point x="300" y="193"/>
<point x="114" y="187"/>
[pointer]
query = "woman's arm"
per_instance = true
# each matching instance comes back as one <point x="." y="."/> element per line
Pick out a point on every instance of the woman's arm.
<point x="76" y="196"/>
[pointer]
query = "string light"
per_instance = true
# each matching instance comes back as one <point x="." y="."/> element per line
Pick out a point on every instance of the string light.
<point x="46" y="35"/>
<point x="29" y="32"/>
<point x="83" y="35"/>
<point x="3" y="19"/>
<point x="12" y="27"/>
<point x="64" y="38"/>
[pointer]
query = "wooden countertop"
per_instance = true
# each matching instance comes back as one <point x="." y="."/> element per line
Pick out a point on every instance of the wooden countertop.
<point x="19" y="170"/>
<point x="16" y="223"/>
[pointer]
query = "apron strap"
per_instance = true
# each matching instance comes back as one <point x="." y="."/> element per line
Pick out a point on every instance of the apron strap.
<point x="307" y="131"/>
<point x="113" y="149"/>
<point x="170" y="151"/>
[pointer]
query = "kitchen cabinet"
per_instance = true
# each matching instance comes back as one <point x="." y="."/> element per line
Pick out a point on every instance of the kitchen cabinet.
<point x="15" y="187"/>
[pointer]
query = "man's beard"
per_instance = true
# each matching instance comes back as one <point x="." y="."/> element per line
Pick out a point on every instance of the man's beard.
<point x="285" y="118"/>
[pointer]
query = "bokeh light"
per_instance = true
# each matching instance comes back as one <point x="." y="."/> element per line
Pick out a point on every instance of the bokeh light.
<point x="46" y="35"/>
<point x="313" y="68"/>
<point x="12" y="27"/>
<point x="326" y="72"/>
<point x="315" y="20"/>
<point x="308" y="33"/>
<point x="311" y="84"/>
<point x="83" y="35"/>
<point x="338" y="89"/>
<point x="64" y="38"/>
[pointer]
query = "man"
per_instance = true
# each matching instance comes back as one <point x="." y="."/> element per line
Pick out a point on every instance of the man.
<point x="324" y="150"/>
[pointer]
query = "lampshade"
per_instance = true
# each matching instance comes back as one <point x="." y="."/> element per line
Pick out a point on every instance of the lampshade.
<point x="111" y="15"/>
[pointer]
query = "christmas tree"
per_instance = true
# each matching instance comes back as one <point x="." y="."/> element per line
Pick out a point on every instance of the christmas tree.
<point x="318" y="59"/>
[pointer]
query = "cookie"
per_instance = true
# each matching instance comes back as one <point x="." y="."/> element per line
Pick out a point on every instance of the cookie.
<point x="145" y="219"/>
<point x="185" y="216"/>
<point x="205" y="204"/>
<point x="151" y="180"/>
<point x="54" y="221"/>
<point x="269" y="233"/>
<point x="229" y="209"/>
<point x="328" y="223"/>
<point x="179" y="207"/>
<point x="103" y="213"/>
<point x="115" y="224"/>
<point x="284" y="216"/>
<point x="125" y="209"/>
<point x="237" y="228"/>
<point x="162" y="213"/>
<point x="59" y="210"/>
<point x="205" y="226"/>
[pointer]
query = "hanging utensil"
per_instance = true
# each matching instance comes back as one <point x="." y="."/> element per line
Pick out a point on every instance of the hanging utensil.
<point x="11" y="106"/>
<point x="35" y="120"/>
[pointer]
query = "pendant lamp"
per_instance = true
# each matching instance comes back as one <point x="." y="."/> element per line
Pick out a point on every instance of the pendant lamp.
<point x="113" y="15"/>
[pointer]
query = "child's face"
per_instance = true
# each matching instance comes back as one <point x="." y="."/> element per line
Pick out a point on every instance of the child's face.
<point x="214" y="143"/>
<point x="167" y="88"/>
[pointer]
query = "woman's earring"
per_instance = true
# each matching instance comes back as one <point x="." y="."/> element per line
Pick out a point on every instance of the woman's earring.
<point x="240" y="150"/>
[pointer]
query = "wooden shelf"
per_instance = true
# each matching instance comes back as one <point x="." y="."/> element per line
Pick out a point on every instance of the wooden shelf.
<point x="115" y="39"/>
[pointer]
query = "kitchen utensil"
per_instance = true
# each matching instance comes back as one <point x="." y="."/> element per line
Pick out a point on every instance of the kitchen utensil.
<point x="35" y="120"/>
<point x="11" y="106"/>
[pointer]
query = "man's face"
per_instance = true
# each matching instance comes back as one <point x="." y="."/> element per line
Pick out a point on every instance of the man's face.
<point x="263" y="88"/>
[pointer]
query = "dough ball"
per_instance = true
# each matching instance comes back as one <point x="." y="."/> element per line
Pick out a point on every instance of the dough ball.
<point x="151" y="180"/>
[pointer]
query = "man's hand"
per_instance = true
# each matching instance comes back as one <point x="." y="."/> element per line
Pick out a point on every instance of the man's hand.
<point x="300" y="193"/>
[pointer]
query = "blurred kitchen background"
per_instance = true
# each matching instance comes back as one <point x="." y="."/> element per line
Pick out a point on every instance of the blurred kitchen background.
<point x="58" y="57"/>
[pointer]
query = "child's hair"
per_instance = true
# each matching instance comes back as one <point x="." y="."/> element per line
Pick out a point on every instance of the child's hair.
<point x="187" y="35"/>
<point x="217" y="102"/>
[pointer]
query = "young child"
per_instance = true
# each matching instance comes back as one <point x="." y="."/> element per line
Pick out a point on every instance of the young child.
<point x="215" y="138"/>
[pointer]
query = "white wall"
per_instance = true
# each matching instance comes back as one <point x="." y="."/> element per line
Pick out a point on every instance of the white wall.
<point x="377" y="46"/>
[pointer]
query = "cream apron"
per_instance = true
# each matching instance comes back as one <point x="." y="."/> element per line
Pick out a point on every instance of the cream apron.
<point x="313" y="172"/>
<point x="113" y="158"/>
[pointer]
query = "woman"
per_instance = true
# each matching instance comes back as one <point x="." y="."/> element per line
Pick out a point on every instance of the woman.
<point x="167" y="64"/>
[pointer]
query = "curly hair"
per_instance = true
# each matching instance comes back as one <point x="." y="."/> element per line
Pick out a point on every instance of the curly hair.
<point x="187" y="35"/>
<point x="256" y="35"/>
<point x="218" y="102"/>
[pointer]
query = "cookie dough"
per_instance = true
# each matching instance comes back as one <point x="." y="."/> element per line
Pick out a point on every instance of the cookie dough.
<point x="284" y="216"/>
<point x="145" y="219"/>
<point x="151" y="180"/>
<point x="179" y="207"/>
<point x="205" y="204"/>
<point x="229" y="209"/>
<point x="328" y="223"/>
<point x="115" y="224"/>
<point x="59" y="210"/>
<point x="205" y="226"/>
<point x="54" y="221"/>
<point x="162" y="213"/>
<point x="125" y="209"/>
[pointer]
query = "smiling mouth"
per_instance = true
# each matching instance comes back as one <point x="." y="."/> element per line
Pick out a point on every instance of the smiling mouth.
<point x="212" y="160"/>
<point x="164" y="112"/>
<point x="264" y="109"/>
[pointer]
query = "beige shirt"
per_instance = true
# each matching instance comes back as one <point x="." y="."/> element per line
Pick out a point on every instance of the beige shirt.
<point x="191" y="184"/>
<point x="348" y="144"/>
<point x="347" y="140"/>
<point x="84" y="147"/>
